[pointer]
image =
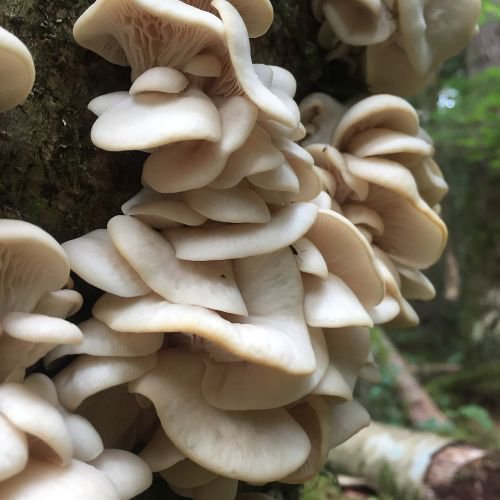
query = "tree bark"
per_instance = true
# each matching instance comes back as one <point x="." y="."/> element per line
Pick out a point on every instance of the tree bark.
<point x="413" y="465"/>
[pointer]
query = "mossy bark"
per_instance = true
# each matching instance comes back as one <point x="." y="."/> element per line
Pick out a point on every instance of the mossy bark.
<point x="50" y="172"/>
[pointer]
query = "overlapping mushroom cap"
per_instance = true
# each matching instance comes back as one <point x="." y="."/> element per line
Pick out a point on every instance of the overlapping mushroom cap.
<point x="378" y="171"/>
<point x="17" y="71"/>
<point x="33" y="269"/>
<point x="405" y="40"/>
<point x="48" y="452"/>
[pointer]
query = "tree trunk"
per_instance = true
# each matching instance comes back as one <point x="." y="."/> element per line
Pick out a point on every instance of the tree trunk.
<point x="51" y="174"/>
<point x="413" y="465"/>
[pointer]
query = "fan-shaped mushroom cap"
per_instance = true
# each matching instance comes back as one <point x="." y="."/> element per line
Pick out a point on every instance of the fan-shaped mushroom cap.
<point x="348" y="256"/>
<point x="221" y="488"/>
<point x="28" y="337"/>
<point x="76" y="481"/>
<point x="85" y="440"/>
<point x="434" y="32"/>
<point x="413" y="233"/>
<point x="17" y="71"/>
<point x="257" y="14"/>
<point x="236" y="205"/>
<point x="41" y="421"/>
<point x="161" y="79"/>
<point x="99" y="340"/>
<point x="106" y="101"/>
<point x="309" y="259"/>
<point x="129" y="474"/>
<point x="224" y="383"/>
<point x="274" y="333"/>
<point x="207" y="284"/>
<point x="32" y="263"/>
<point x="239" y="50"/>
<point x="347" y="418"/>
<point x="330" y="303"/>
<point x="145" y="34"/>
<point x="160" y="453"/>
<point x="282" y="178"/>
<point x="161" y="211"/>
<point x="414" y="284"/>
<point x="14" y="452"/>
<point x="379" y="111"/>
<point x="235" y="241"/>
<point x="430" y="182"/>
<point x="252" y="446"/>
<point x="95" y="259"/>
<point x="359" y="22"/>
<point x="187" y="474"/>
<point x="60" y="304"/>
<point x="88" y="375"/>
<point x="153" y="119"/>
<point x="257" y="155"/>
<point x="194" y="164"/>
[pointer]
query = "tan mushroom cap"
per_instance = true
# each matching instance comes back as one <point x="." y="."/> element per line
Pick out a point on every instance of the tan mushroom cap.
<point x="238" y="45"/>
<point x="263" y="387"/>
<point x="76" y="481"/>
<point x="32" y="263"/>
<point x="432" y="33"/>
<point x="99" y="340"/>
<point x="153" y="119"/>
<point x="348" y="256"/>
<point x="273" y="334"/>
<point x="160" y="79"/>
<point x="253" y="446"/>
<point x="95" y="259"/>
<point x="330" y="303"/>
<point x="88" y="375"/>
<point x="359" y="22"/>
<point x="221" y="488"/>
<point x="282" y="178"/>
<point x="194" y="163"/>
<point x="430" y="182"/>
<point x="236" y="205"/>
<point x="145" y="34"/>
<point x="206" y="284"/>
<point x="129" y="474"/>
<point x="379" y="111"/>
<point x="17" y="71"/>
<point x="347" y="419"/>
<point x="235" y="241"/>
<point x="257" y="155"/>
<point x="160" y="453"/>
<point x="414" y="284"/>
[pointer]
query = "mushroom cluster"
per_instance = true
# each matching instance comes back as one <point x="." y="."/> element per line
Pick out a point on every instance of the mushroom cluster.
<point x="235" y="317"/>
<point x="378" y="171"/>
<point x="399" y="44"/>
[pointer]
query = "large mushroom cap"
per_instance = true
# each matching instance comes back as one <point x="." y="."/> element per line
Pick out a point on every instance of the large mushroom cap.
<point x="32" y="263"/>
<point x="17" y="71"/>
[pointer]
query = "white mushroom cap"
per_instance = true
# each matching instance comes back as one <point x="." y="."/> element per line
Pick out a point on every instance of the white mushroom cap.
<point x="129" y="474"/>
<point x="206" y="284"/>
<point x="153" y="119"/>
<point x="42" y="480"/>
<point x="14" y="452"/>
<point x="282" y="178"/>
<point x="99" y="340"/>
<point x="17" y="71"/>
<point x="263" y="387"/>
<point x="60" y="304"/>
<point x="160" y="453"/>
<point x="32" y="263"/>
<point x="95" y="259"/>
<point x="194" y="163"/>
<point x="359" y="22"/>
<point x="145" y="34"/>
<point x="88" y="375"/>
<point x="235" y="241"/>
<point x="309" y="259"/>
<point x="161" y="79"/>
<point x="252" y="446"/>
<point x="100" y="104"/>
